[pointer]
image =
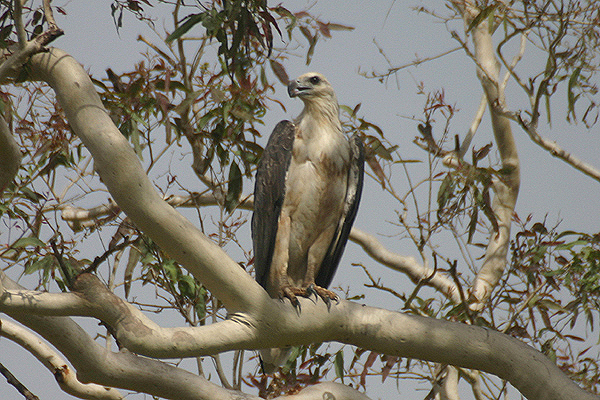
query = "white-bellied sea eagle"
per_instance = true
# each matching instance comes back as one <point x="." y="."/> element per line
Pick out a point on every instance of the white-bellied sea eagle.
<point x="308" y="186"/>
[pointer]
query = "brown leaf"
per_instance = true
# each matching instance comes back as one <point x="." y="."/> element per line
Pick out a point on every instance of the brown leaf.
<point x="324" y="29"/>
<point x="377" y="170"/>
<point x="370" y="360"/>
<point x="280" y="72"/>
<point x="390" y="362"/>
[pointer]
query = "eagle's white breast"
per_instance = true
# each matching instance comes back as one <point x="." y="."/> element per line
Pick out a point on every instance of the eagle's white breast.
<point x="315" y="189"/>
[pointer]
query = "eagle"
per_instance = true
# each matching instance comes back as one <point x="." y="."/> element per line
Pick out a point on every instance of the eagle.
<point x="307" y="190"/>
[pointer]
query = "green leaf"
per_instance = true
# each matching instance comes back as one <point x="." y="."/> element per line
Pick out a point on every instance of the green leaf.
<point x="28" y="241"/>
<point x="31" y="195"/>
<point x="338" y="363"/>
<point x="234" y="187"/>
<point x="43" y="263"/>
<point x="172" y="270"/>
<point x="190" y="22"/>
<point x="473" y="223"/>
<point x="571" y="96"/>
<point x="187" y="286"/>
<point x="200" y="306"/>
<point x="446" y="191"/>
<point x="568" y="246"/>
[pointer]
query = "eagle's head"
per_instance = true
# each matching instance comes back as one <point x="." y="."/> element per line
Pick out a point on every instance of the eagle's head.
<point x="311" y="86"/>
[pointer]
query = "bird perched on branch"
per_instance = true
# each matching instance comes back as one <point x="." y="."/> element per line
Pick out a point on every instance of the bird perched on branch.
<point x="308" y="186"/>
<point x="306" y="195"/>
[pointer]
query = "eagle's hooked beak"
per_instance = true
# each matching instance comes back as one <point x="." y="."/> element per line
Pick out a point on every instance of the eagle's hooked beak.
<point x="294" y="89"/>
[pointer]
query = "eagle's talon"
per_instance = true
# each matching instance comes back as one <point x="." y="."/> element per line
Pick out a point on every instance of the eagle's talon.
<point x="310" y="289"/>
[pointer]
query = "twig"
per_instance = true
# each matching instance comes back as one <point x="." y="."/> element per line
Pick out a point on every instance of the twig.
<point x="422" y="283"/>
<point x="100" y="259"/>
<point x="18" y="18"/>
<point x="49" y="15"/>
<point x="556" y="151"/>
<point x="11" y="379"/>
<point x="463" y="300"/>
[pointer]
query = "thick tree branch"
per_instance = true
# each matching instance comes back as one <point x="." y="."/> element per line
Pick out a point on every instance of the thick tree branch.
<point x="128" y="371"/>
<point x="386" y="332"/>
<point x="55" y="364"/>
<point x="129" y="185"/>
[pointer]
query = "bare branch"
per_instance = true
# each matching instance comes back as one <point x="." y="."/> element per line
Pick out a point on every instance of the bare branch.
<point x="49" y="15"/>
<point x="466" y="143"/>
<point x="18" y="18"/>
<point x="506" y="189"/>
<point x="407" y="265"/>
<point x="555" y="150"/>
<point x="12" y="380"/>
<point x="55" y="364"/>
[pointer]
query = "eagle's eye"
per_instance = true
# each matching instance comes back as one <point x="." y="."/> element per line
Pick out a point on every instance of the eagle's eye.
<point x="314" y="80"/>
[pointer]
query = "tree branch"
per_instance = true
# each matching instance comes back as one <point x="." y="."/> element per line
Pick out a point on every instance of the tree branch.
<point x="12" y="380"/>
<point x="124" y="369"/>
<point x="55" y="364"/>
<point x="407" y="265"/>
<point x="386" y="332"/>
<point x="555" y="150"/>
<point x="121" y="171"/>
<point x="506" y="189"/>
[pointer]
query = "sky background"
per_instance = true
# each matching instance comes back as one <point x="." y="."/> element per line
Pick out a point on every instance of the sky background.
<point x="549" y="188"/>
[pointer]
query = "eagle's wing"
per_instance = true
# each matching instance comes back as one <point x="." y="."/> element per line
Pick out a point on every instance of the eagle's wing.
<point x="269" y="192"/>
<point x="353" y="193"/>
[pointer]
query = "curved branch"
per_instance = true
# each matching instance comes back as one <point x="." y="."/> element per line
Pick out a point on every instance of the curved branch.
<point x="407" y="265"/>
<point x="125" y="178"/>
<point x="55" y="364"/>
<point x="555" y="150"/>
<point x="277" y="324"/>
<point x="126" y="370"/>
<point x="506" y="189"/>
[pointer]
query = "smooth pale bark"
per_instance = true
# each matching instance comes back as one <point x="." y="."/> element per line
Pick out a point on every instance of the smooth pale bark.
<point x="65" y="376"/>
<point x="506" y="188"/>
<point x="126" y="370"/>
<point x="387" y="332"/>
<point x="255" y="320"/>
<point x="121" y="172"/>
